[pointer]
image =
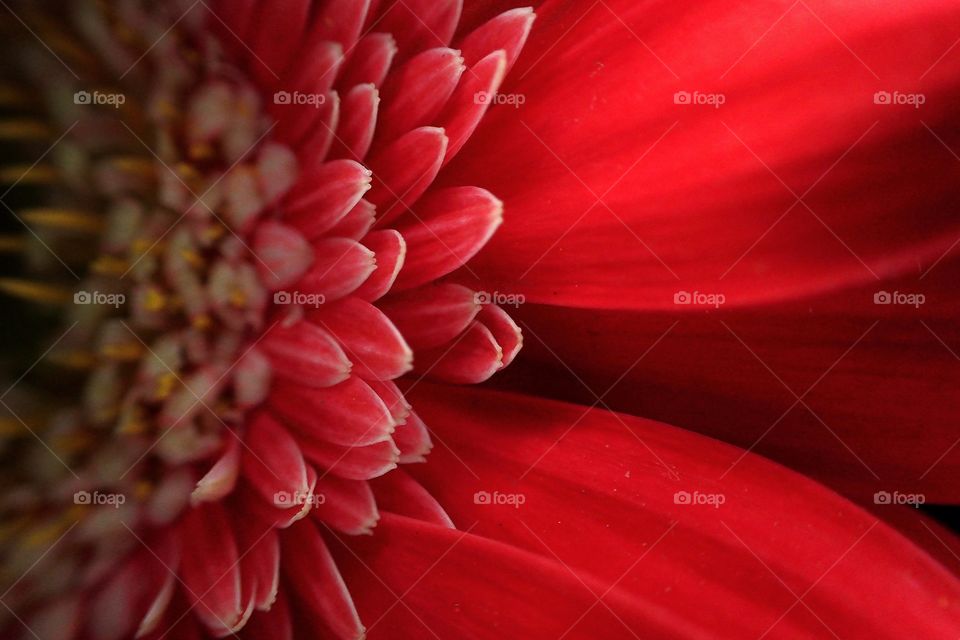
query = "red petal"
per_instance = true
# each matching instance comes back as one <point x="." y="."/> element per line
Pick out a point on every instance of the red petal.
<point x="357" y="223"/>
<point x="211" y="570"/>
<point x="448" y="228"/>
<point x="284" y="254"/>
<point x="431" y="315"/>
<point x="347" y="505"/>
<point x="279" y="29"/>
<point x="273" y="464"/>
<point x="413" y="440"/>
<point x="391" y="251"/>
<point x="415" y="93"/>
<point x="315" y="77"/>
<point x="404" y="170"/>
<point x="400" y="494"/>
<point x="877" y="382"/>
<point x="648" y="197"/>
<point x="728" y="558"/>
<point x="372" y="343"/>
<point x="358" y="124"/>
<point x="353" y="463"/>
<point x="421" y="24"/>
<point x="325" y="194"/>
<point x="304" y="353"/>
<point x="220" y="480"/>
<point x="349" y="414"/>
<point x="340" y="21"/>
<point x="508" y="31"/>
<point x="317" y="582"/>
<point x="470" y="359"/>
<point x="260" y="563"/>
<point x="504" y="330"/>
<point x="464" y="111"/>
<point x="370" y="60"/>
<point x="276" y="624"/>
<point x="340" y="267"/>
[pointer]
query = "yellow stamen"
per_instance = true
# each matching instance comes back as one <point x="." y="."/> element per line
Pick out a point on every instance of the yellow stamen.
<point x="13" y="96"/>
<point x="12" y="244"/>
<point x="201" y="151"/>
<point x="155" y="300"/>
<point x="202" y="322"/>
<point x="238" y="298"/>
<point x="193" y="258"/>
<point x="109" y="266"/>
<point x="41" y="174"/>
<point x="35" y="291"/>
<point x="143" y="490"/>
<point x="77" y="360"/>
<point x="24" y="129"/>
<point x="70" y="219"/>
<point x="128" y="352"/>
<point x="166" y="383"/>
<point x="139" y="166"/>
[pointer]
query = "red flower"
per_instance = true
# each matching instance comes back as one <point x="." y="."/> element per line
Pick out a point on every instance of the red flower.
<point x="285" y="200"/>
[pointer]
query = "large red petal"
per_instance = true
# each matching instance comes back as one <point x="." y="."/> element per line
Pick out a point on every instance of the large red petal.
<point x="616" y="196"/>
<point x="690" y="548"/>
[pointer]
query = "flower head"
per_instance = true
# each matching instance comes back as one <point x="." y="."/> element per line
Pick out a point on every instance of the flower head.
<point x="239" y="193"/>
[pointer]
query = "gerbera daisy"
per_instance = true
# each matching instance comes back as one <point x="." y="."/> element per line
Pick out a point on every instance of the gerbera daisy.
<point x="256" y="218"/>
